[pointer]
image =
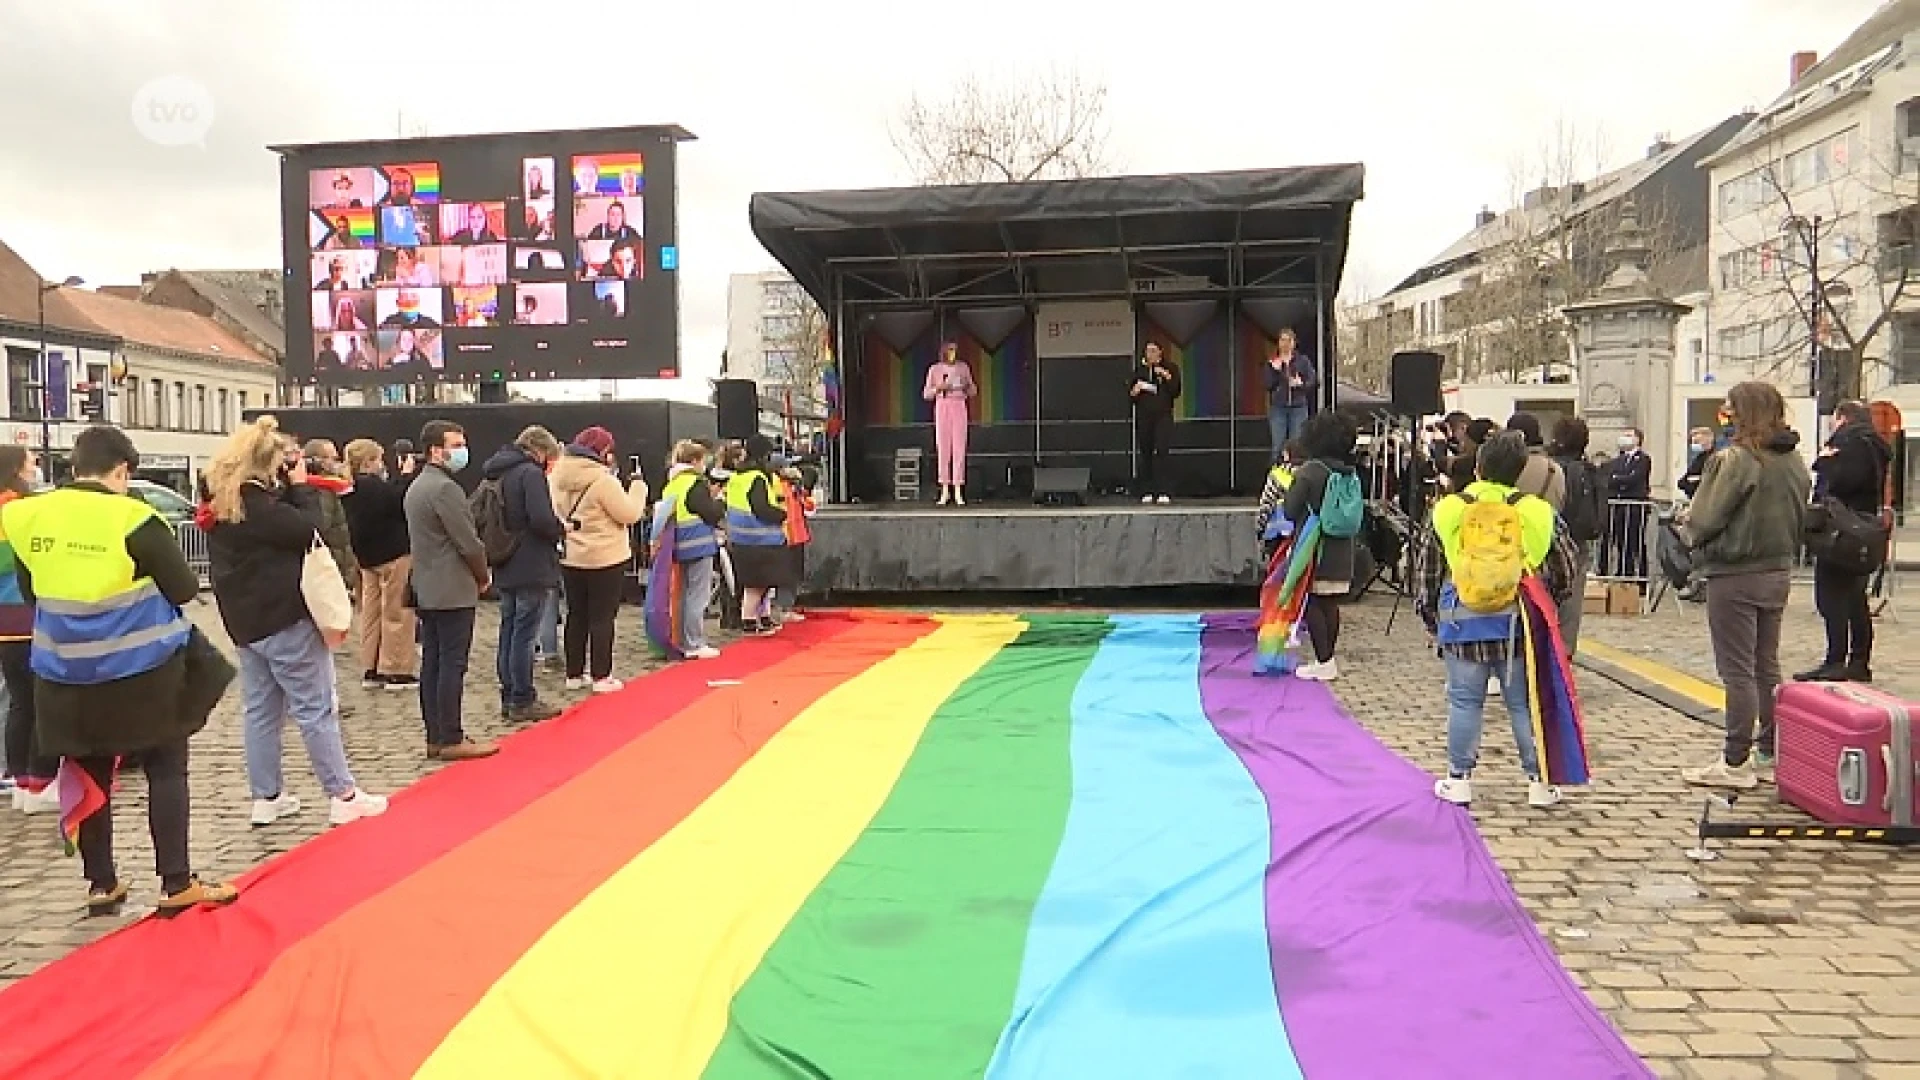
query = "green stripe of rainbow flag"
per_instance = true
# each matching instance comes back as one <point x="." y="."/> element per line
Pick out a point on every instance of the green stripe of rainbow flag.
<point x="886" y="847"/>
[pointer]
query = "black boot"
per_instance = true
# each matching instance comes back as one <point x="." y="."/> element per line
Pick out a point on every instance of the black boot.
<point x="1831" y="671"/>
<point x="1858" y="670"/>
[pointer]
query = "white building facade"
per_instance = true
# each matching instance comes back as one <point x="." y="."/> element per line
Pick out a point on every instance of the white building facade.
<point x="773" y="331"/>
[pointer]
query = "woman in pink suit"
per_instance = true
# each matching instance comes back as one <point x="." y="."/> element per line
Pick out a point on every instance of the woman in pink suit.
<point x="949" y="386"/>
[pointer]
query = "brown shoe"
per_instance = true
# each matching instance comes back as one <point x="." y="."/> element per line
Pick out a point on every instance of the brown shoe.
<point x="463" y="751"/>
<point x="197" y="894"/>
<point x="106" y="901"/>
<point x="533" y="713"/>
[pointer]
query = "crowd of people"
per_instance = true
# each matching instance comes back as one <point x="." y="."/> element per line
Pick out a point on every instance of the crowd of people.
<point x="1513" y="501"/>
<point x="103" y="670"/>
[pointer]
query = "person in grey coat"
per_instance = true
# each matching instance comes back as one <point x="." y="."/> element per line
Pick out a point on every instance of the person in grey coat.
<point x="449" y="574"/>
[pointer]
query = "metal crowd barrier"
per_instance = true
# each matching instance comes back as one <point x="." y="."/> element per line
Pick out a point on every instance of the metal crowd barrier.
<point x="193" y="544"/>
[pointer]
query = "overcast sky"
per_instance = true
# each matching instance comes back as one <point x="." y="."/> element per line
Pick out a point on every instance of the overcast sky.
<point x="1438" y="100"/>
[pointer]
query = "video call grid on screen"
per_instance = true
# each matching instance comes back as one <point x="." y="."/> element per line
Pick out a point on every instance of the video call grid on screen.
<point x="536" y="256"/>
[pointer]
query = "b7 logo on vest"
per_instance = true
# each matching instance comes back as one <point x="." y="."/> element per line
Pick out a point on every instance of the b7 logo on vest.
<point x="42" y="544"/>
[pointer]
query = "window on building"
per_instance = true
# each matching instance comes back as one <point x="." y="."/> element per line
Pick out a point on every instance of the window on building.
<point x="159" y="417"/>
<point x="779" y="364"/>
<point x="1903" y="349"/>
<point x="178" y="414"/>
<point x="130" y="395"/>
<point x="242" y="402"/>
<point x="225" y="421"/>
<point x="201" y="421"/>
<point x="779" y="327"/>
<point x="22" y="403"/>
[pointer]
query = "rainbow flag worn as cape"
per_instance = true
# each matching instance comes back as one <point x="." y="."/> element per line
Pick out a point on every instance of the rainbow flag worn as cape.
<point x="80" y="799"/>
<point x="1284" y="597"/>
<point x="878" y="846"/>
<point x="666" y="582"/>
<point x="1559" y="728"/>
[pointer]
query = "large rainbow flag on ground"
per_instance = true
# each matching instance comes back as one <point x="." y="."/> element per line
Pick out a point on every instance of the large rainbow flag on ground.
<point x="872" y="848"/>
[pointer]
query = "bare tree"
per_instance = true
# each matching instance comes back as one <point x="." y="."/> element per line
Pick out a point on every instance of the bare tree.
<point x="1006" y="130"/>
<point x="798" y="351"/>
<point x="1554" y="248"/>
<point x="1834" y="276"/>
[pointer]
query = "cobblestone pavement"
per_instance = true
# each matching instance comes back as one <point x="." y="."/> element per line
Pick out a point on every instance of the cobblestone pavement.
<point x="1676" y="635"/>
<point x="41" y="892"/>
<point x="1795" y="961"/>
<point x="1792" y="960"/>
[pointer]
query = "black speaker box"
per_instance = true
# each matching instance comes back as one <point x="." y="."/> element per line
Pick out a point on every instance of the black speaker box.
<point x="1413" y="382"/>
<point x="736" y="406"/>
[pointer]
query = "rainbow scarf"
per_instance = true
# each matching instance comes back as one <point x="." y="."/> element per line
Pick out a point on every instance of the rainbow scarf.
<point x="883" y="846"/>
<point x="666" y="583"/>
<point x="1559" y="726"/>
<point x="1284" y="597"/>
<point x="80" y="799"/>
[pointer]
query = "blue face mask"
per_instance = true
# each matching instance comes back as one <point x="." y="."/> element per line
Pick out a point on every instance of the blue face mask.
<point x="457" y="458"/>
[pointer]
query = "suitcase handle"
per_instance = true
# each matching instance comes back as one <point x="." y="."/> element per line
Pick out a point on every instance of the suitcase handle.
<point x="1886" y="758"/>
<point x="1846" y="691"/>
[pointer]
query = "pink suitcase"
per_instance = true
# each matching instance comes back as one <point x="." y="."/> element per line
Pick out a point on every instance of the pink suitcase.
<point x="1846" y="754"/>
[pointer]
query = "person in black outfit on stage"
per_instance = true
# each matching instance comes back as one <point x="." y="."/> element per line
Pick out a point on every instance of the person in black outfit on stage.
<point x="1156" y="386"/>
<point x="1852" y="471"/>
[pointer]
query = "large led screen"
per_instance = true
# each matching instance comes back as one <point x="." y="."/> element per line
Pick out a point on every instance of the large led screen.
<point x="521" y="257"/>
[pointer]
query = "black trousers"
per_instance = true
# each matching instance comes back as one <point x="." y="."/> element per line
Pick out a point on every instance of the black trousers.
<point x="446" y="641"/>
<point x="1322" y="619"/>
<point x="1841" y="600"/>
<point x="166" y="769"/>
<point x="1153" y="431"/>
<point x="23" y="746"/>
<point x="593" y="606"/>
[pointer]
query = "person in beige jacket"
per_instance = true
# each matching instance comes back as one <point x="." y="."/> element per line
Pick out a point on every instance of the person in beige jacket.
<point x="599" y="515"/>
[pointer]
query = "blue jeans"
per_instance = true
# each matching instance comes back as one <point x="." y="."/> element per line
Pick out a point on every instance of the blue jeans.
<point x="291" y="671"/>
<point x="1466" y="704"/>
<point x="520" y="614"/>
<point x="446" y="641"/>
<point x="1285" y="422"/>
<point x="696" y="590"/>
<point x="549" y="644"/>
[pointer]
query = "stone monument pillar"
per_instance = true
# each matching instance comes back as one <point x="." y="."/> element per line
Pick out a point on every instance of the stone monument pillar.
<point x="1624" y="347"/>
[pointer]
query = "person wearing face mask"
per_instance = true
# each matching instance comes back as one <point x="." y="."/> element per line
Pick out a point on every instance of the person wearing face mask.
<point x="1623" y="550"/>
<point x="599" y="514"/>
<point x="1852" y="471"/>
<point x="118" y="669"/>
<point x="1699" y="449"/>
<point x="449" y="574"/>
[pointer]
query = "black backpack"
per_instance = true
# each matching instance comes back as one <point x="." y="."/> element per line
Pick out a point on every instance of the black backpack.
<point x="489" y="506"/>
<point x="1849" y="542"/>
<point x="1584" y="510"/>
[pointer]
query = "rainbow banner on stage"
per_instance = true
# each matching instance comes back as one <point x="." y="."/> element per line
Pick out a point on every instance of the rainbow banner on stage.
<point x="873" y="847"/>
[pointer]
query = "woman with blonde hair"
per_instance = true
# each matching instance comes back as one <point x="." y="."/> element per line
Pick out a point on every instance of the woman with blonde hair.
<point x="264" y="523"/>
<point x="377" y="528"/>
<point x="1744" y="526"/>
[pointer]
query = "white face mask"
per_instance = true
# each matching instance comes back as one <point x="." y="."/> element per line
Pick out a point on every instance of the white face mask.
<point x="1628" y="442"/>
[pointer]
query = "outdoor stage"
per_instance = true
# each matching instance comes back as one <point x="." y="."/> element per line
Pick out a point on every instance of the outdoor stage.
<point x="1109" y="544"/>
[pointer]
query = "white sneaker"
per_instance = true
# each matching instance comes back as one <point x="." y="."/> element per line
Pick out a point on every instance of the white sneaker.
<point x="1164" y="500"/>
<point x="268" y="811"/>
<point x="359" y="805"/>
<point x="1763" y="769"/>
<point x="705" y="652"/>
<point x="577" y="682"/>
<point x="1146" y="500"/>
<point x="1542" y="795"/>
<point x="1493" y="686"/>
<point x="1457" y="790"/>
<point x="793" y="616"/>
<point x="608" y="685"/>
<point x="44" y="801"/>
<point x="1314" y="672"/>
<point x="1719" y="774"/>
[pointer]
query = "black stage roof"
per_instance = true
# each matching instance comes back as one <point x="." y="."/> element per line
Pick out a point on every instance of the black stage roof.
<point x="1274" y="231"/>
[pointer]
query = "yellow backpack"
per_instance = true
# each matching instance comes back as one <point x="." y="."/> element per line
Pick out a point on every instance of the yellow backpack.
<point x="1492" y="558"/>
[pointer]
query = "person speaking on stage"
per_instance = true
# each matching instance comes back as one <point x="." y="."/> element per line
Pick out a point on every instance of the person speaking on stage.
<point x="1156" y="386"/>
<point x="950" y="386"/>
<point x="1291" y="382"/>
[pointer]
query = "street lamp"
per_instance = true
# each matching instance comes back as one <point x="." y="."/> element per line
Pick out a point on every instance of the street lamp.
<point x="1808" y="233"/>
<point x="46" y="427"/>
